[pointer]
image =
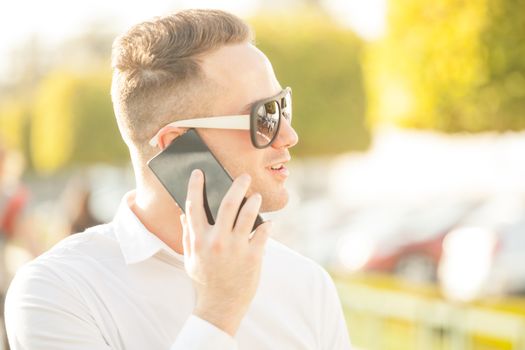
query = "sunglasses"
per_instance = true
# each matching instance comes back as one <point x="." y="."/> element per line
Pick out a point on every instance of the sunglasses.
<point x="264" y="120"/>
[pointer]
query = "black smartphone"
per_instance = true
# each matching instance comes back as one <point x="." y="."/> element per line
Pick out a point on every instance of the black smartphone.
<point x="173" y="167"/>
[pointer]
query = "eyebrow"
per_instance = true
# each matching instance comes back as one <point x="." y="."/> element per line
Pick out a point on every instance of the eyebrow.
<point x="248" y="107"/>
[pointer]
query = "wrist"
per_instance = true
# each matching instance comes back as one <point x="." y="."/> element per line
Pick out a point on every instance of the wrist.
<point x="227" y="321"/>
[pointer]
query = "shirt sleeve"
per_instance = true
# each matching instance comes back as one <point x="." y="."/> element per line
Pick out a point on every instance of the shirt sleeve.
<point x="42" y="313"/>
<point x="198" y="334"/>
<point x="334" y="331"/>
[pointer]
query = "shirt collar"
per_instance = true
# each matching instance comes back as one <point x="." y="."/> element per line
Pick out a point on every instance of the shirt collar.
<point x="136" y="242"/>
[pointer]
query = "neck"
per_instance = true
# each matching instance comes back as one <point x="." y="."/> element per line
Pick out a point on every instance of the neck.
<point x="158" y="212"/>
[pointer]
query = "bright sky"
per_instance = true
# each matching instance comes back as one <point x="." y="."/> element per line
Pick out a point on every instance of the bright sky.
<point x="366" y="17"/>
<point x="52" y="21"/>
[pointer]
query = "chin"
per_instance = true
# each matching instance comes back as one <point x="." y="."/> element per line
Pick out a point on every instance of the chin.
<point x="274" y="201"/>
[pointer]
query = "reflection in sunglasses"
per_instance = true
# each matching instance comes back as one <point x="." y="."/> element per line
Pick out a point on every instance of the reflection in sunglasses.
<point x="264" y="136"/>
<point x="267" y="123"/>
<point x="271" y="107"/>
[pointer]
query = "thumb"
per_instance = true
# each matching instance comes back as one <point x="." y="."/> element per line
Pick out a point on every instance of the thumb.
<point x="185" y="236"/>
<point x="261" y="235"/>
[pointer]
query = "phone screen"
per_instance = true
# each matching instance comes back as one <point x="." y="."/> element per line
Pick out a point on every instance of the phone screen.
<point x="173" y="167"/>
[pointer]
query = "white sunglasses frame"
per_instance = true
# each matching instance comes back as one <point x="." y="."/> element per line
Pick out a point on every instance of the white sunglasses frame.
<point x="232" y="122"/>
<point x="236" y="122"/>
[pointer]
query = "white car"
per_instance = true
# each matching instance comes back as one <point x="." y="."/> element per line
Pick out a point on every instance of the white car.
<point x="485" y="254"/>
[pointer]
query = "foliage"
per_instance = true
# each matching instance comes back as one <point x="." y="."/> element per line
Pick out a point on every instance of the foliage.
<point x="321" y="62"/>
<point x="13" y="115"/>
<point x="451" y="65"/>
<point x="73" y="122"/>
<point x="71" y="118"/>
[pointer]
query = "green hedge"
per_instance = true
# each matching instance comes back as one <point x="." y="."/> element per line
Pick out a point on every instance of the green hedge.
<point x="321" y="62"/>
<point x="71" y="119"/>
<point x="451" y="65"/>
<point x="73" y="122"/>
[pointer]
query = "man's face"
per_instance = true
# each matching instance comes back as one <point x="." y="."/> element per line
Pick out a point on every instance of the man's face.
<point x="245" y="75"/>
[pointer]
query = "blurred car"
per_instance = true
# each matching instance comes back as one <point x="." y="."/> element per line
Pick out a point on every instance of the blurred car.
<point x="485" y="254"/>
<point x="408" y="245"/>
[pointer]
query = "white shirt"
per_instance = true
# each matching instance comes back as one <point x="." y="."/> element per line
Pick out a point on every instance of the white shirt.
<point x="117" y="286"/>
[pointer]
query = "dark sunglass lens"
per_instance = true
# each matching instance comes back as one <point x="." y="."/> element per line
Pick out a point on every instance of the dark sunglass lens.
<point x="267" y="123"/>
<point x="286" y="104"/>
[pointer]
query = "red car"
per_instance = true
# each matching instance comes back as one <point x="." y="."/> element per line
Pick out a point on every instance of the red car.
<point x="406" y="242"/>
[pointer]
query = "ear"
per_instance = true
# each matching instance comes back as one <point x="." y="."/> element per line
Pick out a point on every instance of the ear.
<point x="169" y="134"/>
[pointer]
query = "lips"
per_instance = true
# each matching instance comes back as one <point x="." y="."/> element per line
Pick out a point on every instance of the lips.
<point x="279" y="164"/>
<point x="279" y="169"/>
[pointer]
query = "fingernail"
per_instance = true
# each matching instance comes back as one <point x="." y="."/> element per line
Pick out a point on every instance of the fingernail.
<point x="195" y="173"/>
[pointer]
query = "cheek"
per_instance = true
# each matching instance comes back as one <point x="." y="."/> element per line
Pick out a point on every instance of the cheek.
<point x="240" y="153"/>
<point x="219" y="140"/>
<point x="233" y="149"/>
<point x="234" y="144"/>
<point x="239" y="141"/>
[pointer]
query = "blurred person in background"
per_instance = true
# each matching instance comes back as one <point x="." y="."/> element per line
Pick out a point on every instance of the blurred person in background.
<point x="14" y="224"/>
<point x="77" y="201"/>
<point x="158" y="278"/>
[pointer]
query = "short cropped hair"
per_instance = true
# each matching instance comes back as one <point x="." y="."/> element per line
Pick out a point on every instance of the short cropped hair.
<point x="156" y="73"/>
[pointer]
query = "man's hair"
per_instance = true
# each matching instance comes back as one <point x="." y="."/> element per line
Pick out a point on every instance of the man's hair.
<point x="156" y="73"/>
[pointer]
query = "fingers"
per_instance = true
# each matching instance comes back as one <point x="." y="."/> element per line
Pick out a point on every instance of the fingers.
<point x="248" y="214"/>
<point x="260" y="236"/>
<point x="195" y="214"/>
<point x="186" y="239"/>
<point x="231" y="202"/>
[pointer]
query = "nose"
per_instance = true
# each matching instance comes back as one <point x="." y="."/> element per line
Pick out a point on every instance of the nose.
<point x="287" y="136"/>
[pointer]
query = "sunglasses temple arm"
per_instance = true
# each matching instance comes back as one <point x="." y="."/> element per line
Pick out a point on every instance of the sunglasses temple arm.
<point x="234" y="122"/>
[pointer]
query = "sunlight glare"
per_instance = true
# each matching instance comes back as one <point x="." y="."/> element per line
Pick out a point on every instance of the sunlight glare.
<point x="366" y="18"/>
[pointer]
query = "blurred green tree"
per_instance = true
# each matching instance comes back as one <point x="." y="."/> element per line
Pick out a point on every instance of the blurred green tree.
<point x="322" y="63"/>
<point x="450" y="65"/>
<point x="72" y="118"/>
<point x="13" y="115"/>
<point x="502" y="94"/>
<point x="73" y="122"/>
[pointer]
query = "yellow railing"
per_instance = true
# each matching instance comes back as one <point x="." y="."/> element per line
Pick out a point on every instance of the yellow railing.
<point x="382" y="319"/>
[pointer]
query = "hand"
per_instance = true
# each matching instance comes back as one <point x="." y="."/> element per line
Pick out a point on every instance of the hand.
<point x="222" y="260"/>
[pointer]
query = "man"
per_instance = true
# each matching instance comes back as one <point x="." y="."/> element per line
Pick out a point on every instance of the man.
<point x="155" y="278"/>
